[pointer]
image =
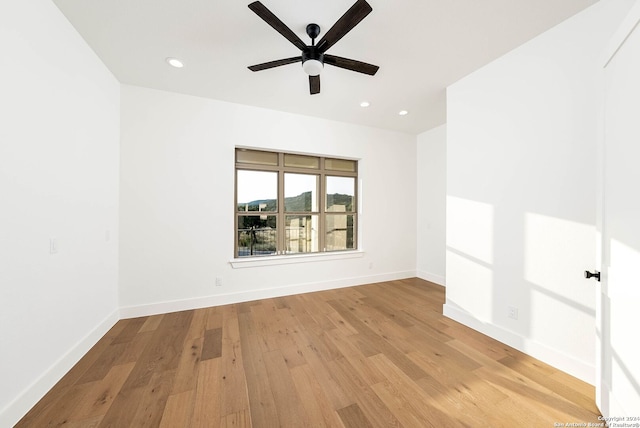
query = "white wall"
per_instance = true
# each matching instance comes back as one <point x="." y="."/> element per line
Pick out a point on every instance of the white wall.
<point x="521" y="162"/>
<point x="176" y="207"/>
<point x="431" y="200"/>
<point x="58" y="178"/>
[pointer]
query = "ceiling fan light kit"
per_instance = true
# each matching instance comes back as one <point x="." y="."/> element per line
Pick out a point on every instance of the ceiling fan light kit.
<point x="312" y="67"/>
<point x="313" y="57"/>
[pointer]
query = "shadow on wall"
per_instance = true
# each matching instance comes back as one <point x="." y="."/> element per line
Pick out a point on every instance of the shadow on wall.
<point x="522" y="272"/>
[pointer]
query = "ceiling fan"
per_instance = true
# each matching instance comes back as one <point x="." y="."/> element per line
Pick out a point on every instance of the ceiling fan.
<point x="314" y="57"/>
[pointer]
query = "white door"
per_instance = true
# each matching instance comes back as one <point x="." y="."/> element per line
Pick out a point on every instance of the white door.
<point x="618" y="310"/>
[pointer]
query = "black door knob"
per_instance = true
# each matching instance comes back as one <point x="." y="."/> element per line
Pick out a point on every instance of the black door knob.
<point x="595" y="275"/>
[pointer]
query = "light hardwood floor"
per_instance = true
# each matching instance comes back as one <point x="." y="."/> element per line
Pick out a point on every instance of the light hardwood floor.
<point x="378" y="355"/>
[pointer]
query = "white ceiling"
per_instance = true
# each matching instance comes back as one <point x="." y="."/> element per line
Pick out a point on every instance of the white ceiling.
<point x="421" y="46"/>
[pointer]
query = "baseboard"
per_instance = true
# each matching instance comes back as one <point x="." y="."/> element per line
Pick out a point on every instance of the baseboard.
<point x="19" y="407"/>
<point x="432" y="277"/>
<point x="247" y="296"/>
<point x="542" y="352"/>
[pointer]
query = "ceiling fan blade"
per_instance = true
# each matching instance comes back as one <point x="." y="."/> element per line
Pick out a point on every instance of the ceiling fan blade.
<point x="277" y="63"/>
<point x="268" y="17"/>
<point x="351" y="64"/>
<point x="350" y="19"/>
<point x="314" y="84"/>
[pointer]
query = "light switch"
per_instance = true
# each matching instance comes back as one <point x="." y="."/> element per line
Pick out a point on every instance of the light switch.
<point x="53" y="245"/>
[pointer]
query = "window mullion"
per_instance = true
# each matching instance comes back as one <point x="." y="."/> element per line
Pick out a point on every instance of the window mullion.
<point x="281" y="247"/>
<point x="322" y="206"/>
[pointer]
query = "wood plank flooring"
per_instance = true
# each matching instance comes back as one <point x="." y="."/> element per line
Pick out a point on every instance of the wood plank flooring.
<point x="378" y="355"/>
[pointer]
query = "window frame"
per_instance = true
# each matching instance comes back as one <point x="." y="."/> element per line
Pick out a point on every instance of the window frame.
<point x="281" y="213"/>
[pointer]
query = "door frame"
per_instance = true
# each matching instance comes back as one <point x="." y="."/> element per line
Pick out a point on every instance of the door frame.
<point x="629" y="24"/>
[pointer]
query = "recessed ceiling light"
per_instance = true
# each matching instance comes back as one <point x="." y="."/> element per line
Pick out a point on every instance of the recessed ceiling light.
<point x="174" y="62"/>
<point x="365" y="104"/>
<point x="403" y="112"/>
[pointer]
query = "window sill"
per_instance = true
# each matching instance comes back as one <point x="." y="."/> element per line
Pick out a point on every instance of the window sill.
<point x="250" y="262"/>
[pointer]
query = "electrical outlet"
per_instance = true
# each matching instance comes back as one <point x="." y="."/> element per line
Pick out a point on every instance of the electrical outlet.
<point x="218" y="281"/>
<point x="512" y="313"/>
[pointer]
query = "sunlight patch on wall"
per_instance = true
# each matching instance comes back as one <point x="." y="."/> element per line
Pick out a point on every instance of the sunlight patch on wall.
<point x="470" y="256"/>
<point x="475" y="291"/>
<point x="550" y="312"/>
<point x="556" y="252"/>
<point x="470" y="228"/>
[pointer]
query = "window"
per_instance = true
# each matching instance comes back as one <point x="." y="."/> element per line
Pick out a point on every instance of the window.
<point x="290" y="203"/>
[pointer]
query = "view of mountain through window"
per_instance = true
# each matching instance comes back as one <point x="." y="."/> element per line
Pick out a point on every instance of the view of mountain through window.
<point x="291" y="203"/>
